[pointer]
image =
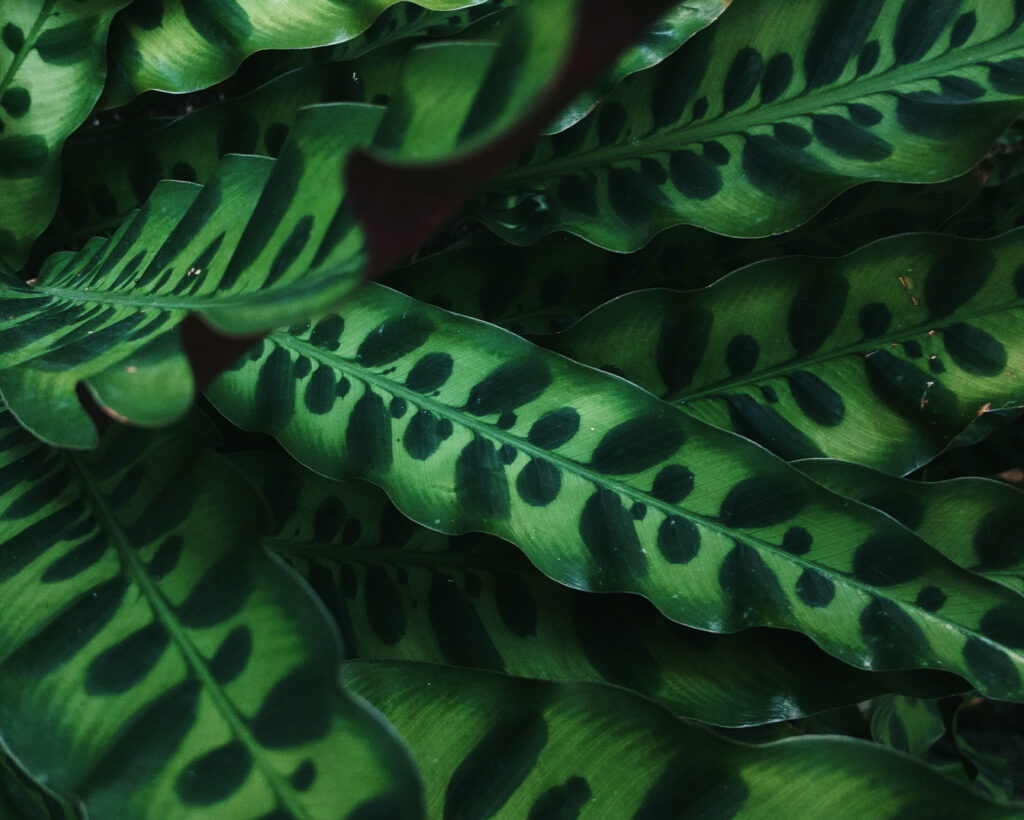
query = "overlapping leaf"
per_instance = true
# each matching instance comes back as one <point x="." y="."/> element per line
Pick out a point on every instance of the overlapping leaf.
<point x="51" y="72"/>
<point x="761" y="119"/>
<point x="881" y="357"/>
<point x="988" y="734"/>
<point x="605" y="487"/>
<point x="907" y="724"/>
<point x="975" y="522"/>
<point x="547" y="287"/>
<point x="400" y="591"/>
<point x="154" y="661"/>
<point x="23" y="799"/>
<point x="493" y="746"/>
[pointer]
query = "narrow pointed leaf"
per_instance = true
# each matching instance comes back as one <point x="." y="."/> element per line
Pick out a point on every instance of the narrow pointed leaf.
<point x="605" y="487"/>
<point x="975" y="522"/>
<point x="400" y="591"/>
<point x="51" y="72"/>
<point x="880" y="357"/>
<point x="906" y="724"/>
<point x="491" y="746"/>
<point x="763" y="118"/>
<point x="154" y="660"/>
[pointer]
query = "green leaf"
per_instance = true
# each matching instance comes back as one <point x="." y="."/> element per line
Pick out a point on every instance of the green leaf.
<point x="468" y="427"/>
<point x="880" y="357"/>
<point x="547" y="287"/>
<point x="760" y="120"/>
<point x="178" y="45"/>
<point x="24" y="799"/>
<point x="988" y="734"/>
<point x="906" y="724"/>
<point x="400" y="591"/>
<point x="51" y="72"/>
<point x="154" y="661"/>
<point x="491" y="746"/>
<point x="989" y="534"/>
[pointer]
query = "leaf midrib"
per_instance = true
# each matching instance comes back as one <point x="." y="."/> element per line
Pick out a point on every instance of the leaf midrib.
<point x="28" y="45"/>
<point x="804" y="104"/>
<point x="132" y="566"/>
<point x="489" y="431"/>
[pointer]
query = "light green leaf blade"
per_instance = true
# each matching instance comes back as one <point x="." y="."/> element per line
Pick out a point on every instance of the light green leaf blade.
<point x="51" y="72"/>
<point x="492" y="746"/>
<point x="177" y="45"/>
<point x="880" y="357"/>
<point x="400" y="591"/>
<point x="547" y="287"/>
<point x="468" y="427"/>
<point x="763" y="118"/>
<point x="154" y="660"/>
<point x="906" y="724"/>
<point x="975" y="522"/>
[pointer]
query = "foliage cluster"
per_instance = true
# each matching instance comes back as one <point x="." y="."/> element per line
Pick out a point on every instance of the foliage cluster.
<point x="715" y="309"/>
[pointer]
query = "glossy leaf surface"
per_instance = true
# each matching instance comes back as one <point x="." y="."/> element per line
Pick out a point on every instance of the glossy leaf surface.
<point x="607" y="488"/>
<point x="403" y="592"/>
<point x="154" y="660"/>
<point x="763" y="118"/>
<point x="51" y="72"/>
<point x="975" y="522"/>
<point x="880" y="357"/>
<point x="492" y="746"/>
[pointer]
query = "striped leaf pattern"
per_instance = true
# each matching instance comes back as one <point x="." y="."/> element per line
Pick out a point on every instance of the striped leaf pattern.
<point x="763" y="118"/>
<point x="607" y="488"/>
<point x="547" y="287"/>
<point x="51" y="72"/>
<point x="989" y="533"/>
<point x="154" y="661"/>
<point x="881" y="357"/>
<point x="182" y="45"/>
<point x="493" y="746"/>
<point x="403" y="592"/>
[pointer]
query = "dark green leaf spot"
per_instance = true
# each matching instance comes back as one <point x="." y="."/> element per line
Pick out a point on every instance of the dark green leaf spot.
<point x="974" y="350"/>
<point x="761" y="502"/>
<point x="609" y="533"/>
<point x="638" y="444"/>
<point x="815" y="589"/>
<point x="741" y="354"/>
<point x="279" y="725"/>
<point x="539" y="483"/>
<point x="819" y="402"/>
<point x="816" y="310"/>
<point x="673" y="484"/>
<point x="480" y="481"/>
<point x="554" y="428"/>
<point x="682" y="340"/>
<point x="509" y="386"/>
<point x="563" y="802"/>
<point x="393" y="339"/>
<point x="887" y="560"/>
<point x="214" y="776"/>
<point x="461" y="634"/>
<point x="678" y="540"/>
<point x="430" y="372"/>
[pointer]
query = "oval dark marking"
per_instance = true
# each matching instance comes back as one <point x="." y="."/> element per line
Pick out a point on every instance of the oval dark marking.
<point x="461" y="634"/>
<point x="815" y="589"/>
<point x="638" y="511"/>
<point x="955" y="278"/>
<point x="563" y="802"/>
<point x="385" y="611"/>
<point x="638" y="444"/>
<point x="232" y="656"/>
<point x="368" y="434"/>
<point x="611" y="119"/>
<point x="12" y="36"/>
<point x="344" y="385"/>
<point x="742" y="78"/>
<point x="279" y="725"/>
<point x="903" y="387"/>
<point x="678" y="540"/>
<point x="865" y="115"/>
<point x="893" y="638"/>
<point x="974" y="350"/>
<point x="496" y="766"/>
<point x="319" y="396"/>
<point x="999" y="540"/>
<point x="816" y="310"/>
<point x="430" y="372"/>
<point x="507" y="454"/>
<point x="700" y="108"/>
<point x="792" y="136"/>
<point x="797" y="541"/>
<point x="506" y="421"/>
<point x="679" y="78"/>
<point x="1004" y="625"/>
<point x="960" y="88"/>
<point x="818" y="401"/>
<point x="274" y="404"/>
<point x="913" y="349"/>
<point x="302" y="367"/>
<point x="516" y="604"/>
<point x="769" y="429"/>
<point x="919" y="26"/>
<point x="509" y="386"/>
<point x="480" y="482"/>
<point x="220" y="594"/>
<point x="715" y="152"/>
<point x="868" y="58"/>
<point x="761" y="502"/>
<point x="693" y="175"/>
<point x="609" y="534"/>
<point x="393" y="339"/>
<point x="887" y="560"/>
<point x="990" y="666"/>
<point x="539" y="483"/>
<point x="16" y="101"/>
<point x="692" y="787"/>
<point x="839" y="33"/>
<point x="425" y="434"/>
<point x="125" y="664"/>
<point x="77" y="560"/>
<point x="682" y="341"/>
<point x="770" y="393"/>
<point x="398" y="407"/>
<point x="672" y="484"/>
<point x="963" y="28"/>
<point x="931" y="599"/>
<point x="303" y="776"/>
<point x="751" y="586"/>
<point x="554" y="428"/>
<point x="741" y="354"/>
<point x="778" y="74"/>
<point x="166" y="557"/>
<point x="289" y="250"/>
<point x="214" y="776"/>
